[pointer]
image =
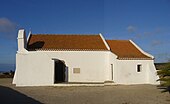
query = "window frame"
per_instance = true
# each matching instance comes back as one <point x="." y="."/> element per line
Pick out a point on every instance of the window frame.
<point x="139" y="68"/>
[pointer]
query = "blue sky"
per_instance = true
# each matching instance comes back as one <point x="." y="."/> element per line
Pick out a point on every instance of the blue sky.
<point x="146" y="22"/>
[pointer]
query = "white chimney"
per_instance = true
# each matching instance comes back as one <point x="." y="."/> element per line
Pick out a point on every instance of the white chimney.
<point x="22" y="42"/>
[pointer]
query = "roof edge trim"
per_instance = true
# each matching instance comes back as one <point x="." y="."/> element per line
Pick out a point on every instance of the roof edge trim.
<point x="71" y="50"/>
<point x="134" y="59"/>
<point x="107" y="46"/>
<point x="145" y="53"/>
<point x="29" y="34"/>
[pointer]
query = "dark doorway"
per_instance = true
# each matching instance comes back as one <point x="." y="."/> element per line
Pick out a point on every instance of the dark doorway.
<point x="59" y="72"/>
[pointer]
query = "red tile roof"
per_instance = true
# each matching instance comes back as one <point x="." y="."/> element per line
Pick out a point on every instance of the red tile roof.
<point x="124" y="49"/>
<point x="65" y="42"/>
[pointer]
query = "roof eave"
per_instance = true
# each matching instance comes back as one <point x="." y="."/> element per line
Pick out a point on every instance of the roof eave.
<point x="145" y="53"/>
<point x="107" y="46"/>
<point x="128" y="58"/>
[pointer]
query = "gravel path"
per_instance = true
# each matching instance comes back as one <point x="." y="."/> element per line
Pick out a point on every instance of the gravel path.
<point x="120" y="94"/>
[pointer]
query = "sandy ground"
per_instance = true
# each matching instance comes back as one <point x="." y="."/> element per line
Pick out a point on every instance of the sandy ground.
<point x="120" y="94"/>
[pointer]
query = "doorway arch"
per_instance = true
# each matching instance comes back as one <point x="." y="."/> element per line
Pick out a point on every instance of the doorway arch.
<point x="59" y="71"/>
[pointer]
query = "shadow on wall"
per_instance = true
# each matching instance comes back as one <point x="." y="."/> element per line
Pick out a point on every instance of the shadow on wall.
<point x="10" y="96"/>
<point x="36" y="45"/>
<point x="66" y="74"/>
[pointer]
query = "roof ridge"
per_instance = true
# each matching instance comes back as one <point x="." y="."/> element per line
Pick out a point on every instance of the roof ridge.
<point x="116" y="40"/>
<point x="70" y="34"/>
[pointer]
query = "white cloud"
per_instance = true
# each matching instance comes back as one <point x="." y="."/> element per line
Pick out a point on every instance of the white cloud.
<point x="6" y="25"/>
<point x="162" y="57"/>
<point x="131" y="29"/>
<point x="155" y="32"/>
<point x="156" y="42"/>
<point x="7" y="28"/>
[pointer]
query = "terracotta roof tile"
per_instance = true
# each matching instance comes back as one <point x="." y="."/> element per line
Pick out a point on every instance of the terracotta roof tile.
<point x="65" y="42"/>
<point x="124" y="49"/>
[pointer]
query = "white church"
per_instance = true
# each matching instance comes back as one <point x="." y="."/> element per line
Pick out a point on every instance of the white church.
<point x="51" y="59"/>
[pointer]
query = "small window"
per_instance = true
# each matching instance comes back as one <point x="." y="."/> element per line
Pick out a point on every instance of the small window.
<point x="76" y="70"/>
<point x="139" y="68"/>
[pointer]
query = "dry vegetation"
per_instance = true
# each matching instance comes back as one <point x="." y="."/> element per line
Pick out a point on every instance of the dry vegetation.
<point x="9" y="74"/>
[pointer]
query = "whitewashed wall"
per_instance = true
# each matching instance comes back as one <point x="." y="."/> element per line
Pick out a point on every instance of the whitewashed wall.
<point x="33" y="69"/>
<point x="37" y="68"/>
<point x="111" y="60"/>
<point x="153" y="77"/>
<point x="127" y="72"/>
